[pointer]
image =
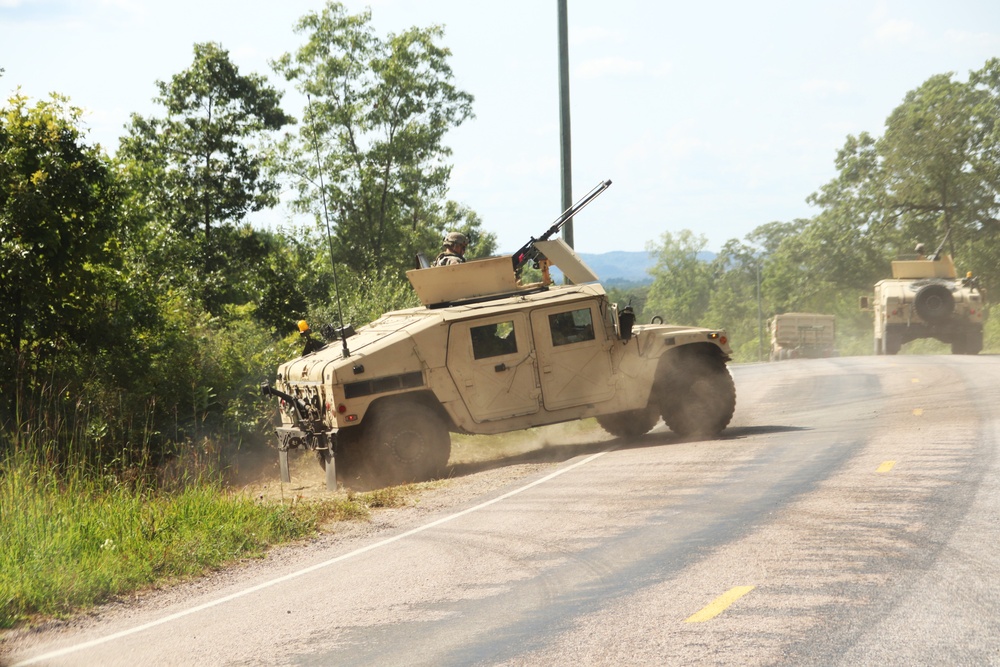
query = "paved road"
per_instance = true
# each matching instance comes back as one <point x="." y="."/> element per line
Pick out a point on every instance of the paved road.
<point x="849" y="516"/>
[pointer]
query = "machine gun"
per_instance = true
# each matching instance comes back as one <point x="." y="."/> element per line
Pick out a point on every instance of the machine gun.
<point x="937" y="253"/>
<point x="529" y="253"/>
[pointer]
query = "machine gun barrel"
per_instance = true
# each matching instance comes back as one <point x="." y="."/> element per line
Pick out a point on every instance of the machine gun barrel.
<point x="937" y="253"/>
<point x="528" y="252"/>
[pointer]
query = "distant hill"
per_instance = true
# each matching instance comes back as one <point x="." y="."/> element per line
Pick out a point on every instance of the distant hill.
<point x="622" y="266"/>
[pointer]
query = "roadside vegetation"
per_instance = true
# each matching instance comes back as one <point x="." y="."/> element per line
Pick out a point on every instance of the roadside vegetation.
<point x="142" y="310"/>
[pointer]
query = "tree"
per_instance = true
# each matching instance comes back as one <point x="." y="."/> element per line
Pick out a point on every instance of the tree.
<point x="681" y="280"/>
<point x="930" y="146"/>
<point x="370" y="150"/>
<point x="930" y="175"/>
<point x="202" y="167"/>
<point x="59" y="225"/>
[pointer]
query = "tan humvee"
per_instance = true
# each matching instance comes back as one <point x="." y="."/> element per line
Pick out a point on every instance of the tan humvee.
<point x="485" y="355"/>
<point x="805" y="335"/>
<point x="925" y="299"/>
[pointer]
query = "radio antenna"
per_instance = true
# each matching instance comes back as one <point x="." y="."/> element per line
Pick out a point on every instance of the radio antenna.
<point x="329" y="234"/>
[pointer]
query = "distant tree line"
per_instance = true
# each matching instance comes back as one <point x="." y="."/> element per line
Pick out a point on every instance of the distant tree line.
<point x="141" y="309"/>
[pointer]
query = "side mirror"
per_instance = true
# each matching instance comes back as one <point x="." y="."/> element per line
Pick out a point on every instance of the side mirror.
<point x="864" y="303"/>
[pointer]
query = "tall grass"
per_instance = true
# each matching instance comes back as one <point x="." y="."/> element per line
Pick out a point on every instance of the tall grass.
<point x="71" y="540"/>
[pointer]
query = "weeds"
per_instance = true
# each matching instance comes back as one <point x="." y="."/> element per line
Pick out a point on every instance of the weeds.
<point x="70" y="541"/>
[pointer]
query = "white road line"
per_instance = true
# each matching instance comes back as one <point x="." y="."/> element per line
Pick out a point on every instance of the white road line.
<point x="312" y="568"/>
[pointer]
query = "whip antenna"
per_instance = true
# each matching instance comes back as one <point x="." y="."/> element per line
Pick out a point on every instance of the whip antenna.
<point x="329" y="235"/>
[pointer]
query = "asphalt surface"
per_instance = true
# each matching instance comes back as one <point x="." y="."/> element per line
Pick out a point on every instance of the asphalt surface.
<point x="848" y="516"/>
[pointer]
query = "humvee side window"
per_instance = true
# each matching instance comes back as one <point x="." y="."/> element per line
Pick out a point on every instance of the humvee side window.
<point x="574" y="326"/>
<point x="493" y="340"/>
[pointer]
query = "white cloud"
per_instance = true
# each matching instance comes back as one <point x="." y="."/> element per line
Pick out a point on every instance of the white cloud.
<point x="600" y="67"/>
<point x="824" y="87"/>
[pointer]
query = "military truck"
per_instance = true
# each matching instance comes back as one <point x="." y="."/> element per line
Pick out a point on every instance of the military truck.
<point x="486" y="354"/>
<point x="802" y="335"/>
<point x="925" y="299"/>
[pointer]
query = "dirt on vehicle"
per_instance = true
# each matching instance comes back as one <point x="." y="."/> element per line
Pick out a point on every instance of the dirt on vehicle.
<point x="486" y="354"/>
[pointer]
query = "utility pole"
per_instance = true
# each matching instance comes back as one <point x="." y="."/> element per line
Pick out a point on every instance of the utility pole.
<point x="564" y="127"/>
<point x="760" y="319"/>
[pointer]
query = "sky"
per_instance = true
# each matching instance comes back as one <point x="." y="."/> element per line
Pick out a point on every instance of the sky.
<point x="713" y="117"/>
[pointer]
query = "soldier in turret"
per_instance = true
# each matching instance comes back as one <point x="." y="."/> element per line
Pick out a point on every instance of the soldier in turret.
<point x="454" y="250"/>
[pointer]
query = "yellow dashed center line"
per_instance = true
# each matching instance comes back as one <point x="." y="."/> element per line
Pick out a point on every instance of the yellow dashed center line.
<point x="915" y="380"/>
<point x="886" y="466"/>
<point x="719" y="604"/>
<point x="918" y="412"/>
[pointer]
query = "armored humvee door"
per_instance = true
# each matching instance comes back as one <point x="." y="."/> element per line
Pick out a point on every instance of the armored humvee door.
<point x="553" y="354"/>
<point x="574" y="360"/>
<point x="492" y="363"/>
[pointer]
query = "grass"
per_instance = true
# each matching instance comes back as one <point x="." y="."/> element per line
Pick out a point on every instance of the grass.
<point x="69" y="541"/>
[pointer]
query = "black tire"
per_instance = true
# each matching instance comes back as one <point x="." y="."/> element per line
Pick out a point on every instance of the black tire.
<point x="892" y="341"/>
<point x="630" y="424"/>
<point x="405" y="441"/>
<point x="934" y="303"/>
<point x="696" y="393"/>
<point x="878" y="347"/>
<point x="968" y="342"/>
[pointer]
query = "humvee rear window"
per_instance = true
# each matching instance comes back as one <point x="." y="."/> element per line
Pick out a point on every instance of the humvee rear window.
<point x="574" y="326"/>
<point x="493" y="340"/>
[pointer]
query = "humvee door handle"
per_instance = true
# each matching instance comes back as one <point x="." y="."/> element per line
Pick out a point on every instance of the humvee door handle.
<point x="500" y="368"/>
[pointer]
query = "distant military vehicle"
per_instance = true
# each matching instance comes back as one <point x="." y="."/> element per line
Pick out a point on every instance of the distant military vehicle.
<point x="805" y="335"/>
<point x="486" y="354"/>
<point x="925" y="299"/>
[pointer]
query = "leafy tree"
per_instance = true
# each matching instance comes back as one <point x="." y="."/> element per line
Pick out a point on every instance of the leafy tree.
<point x="201" y="169"/>
<point x="59" y="229"/>
<point x="370" y="152"/>
<point x="733" y="302"/>
<point x="681" y="281"/>
<point x="933" y="173"/>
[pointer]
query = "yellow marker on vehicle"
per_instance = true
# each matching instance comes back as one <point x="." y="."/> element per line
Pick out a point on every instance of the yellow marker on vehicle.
<point x="719" y="605"/>
<point x="886" y="466"/>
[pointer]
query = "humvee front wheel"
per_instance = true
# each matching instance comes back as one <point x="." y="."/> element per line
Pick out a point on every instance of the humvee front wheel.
<point x="631" y="423"/>
<point x="405" y="441"/>
<point x="696" y="394"/>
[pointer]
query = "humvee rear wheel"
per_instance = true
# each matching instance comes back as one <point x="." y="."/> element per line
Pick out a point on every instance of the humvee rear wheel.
<point x="892" y="341"/>
<point x="696" y="394"/>
<point x="631" y="423"/>
<point x="405" y="441"/>
<point x="968" y="342"/>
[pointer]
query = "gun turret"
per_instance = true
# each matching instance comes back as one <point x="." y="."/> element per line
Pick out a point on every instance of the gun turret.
<point x="529" y="253"/>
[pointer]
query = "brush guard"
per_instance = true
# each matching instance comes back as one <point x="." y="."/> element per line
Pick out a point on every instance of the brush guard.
<point x="307" y="433"/>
